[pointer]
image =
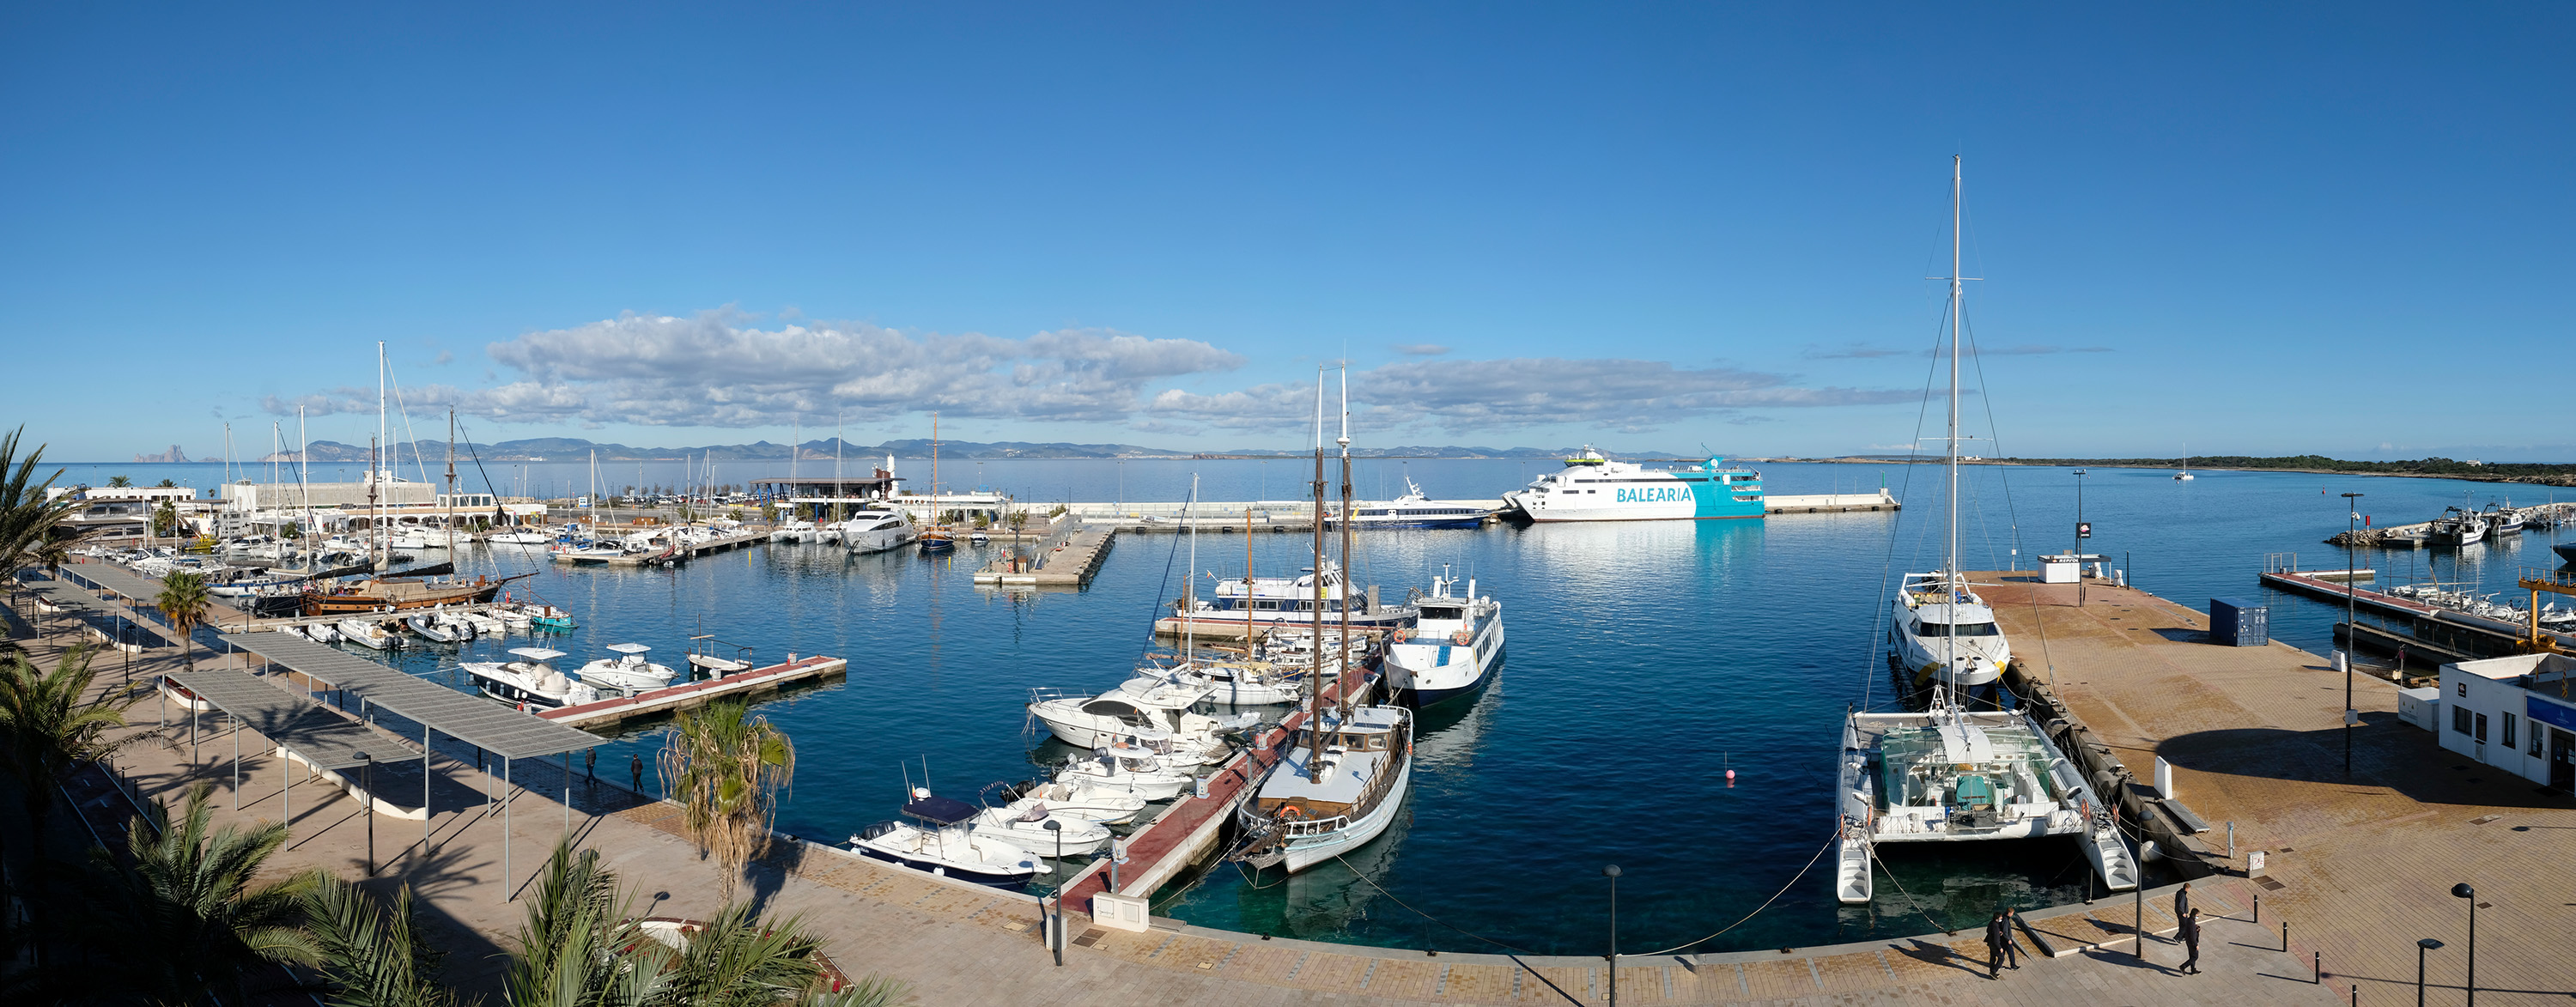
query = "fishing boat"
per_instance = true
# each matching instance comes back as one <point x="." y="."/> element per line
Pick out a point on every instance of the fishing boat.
<point x="1451" y="650"/>
<point x="2502" y="519"/>
<point x="941" y="840"/>
<point x="1413" y="510"/>
<point x="628" y="672"/>
<point x="1947" y="774"/>
<point x="529" y="681"/>
<point x="1593" y="487"/>
<point x="2457" y="527"/>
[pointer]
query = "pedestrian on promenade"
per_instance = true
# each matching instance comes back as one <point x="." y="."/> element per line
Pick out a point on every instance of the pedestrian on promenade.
<point x="590" y="764"/>
<point x="636" y="769"/>
<point x="2012" y="948"/>
<point x="2182" y="902"/>
<point x="2191" y="940"/>
<point x="1996" y="938"/>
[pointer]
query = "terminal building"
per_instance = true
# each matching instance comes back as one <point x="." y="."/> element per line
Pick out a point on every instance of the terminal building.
<point x="2516" y="713"/>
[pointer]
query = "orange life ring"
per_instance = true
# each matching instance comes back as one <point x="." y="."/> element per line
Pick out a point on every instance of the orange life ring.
<point x="1460" y="638"/>
<point x="1402" y="635"/>
<point x="1291" y="813"/>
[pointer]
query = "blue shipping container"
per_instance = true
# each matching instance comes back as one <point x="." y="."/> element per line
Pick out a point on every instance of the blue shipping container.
<point x="2234" y="622"/>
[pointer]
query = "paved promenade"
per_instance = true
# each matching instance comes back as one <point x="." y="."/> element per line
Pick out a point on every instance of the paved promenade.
<point x="961" y="944"/>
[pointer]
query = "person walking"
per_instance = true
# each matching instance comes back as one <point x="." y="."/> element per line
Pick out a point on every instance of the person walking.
<point x="1996" y="938"/>
<point x="2190" y="934"/>
<point x="2012" y="948"/>
<point x="590" y="764"/>
<point x="2182" y="902"/>
<point x="636" y="769"/>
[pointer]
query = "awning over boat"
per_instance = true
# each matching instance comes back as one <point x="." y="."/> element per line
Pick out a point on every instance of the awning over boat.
<point x="941" y="810"/>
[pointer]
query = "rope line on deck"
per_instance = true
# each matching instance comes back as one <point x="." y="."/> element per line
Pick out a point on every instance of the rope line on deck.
<point x="1766" y="903"/>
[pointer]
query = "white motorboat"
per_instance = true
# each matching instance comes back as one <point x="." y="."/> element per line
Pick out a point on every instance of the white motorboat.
<point x="1331" y="792"/>
<point x="1107" y="807"/>
<point x="1945" y="774"/>
<point x="793" y="532"/>
<point x="628" y="672"/>
<point x="1595" y="488"/>
<point x="877" y="530"/>
<point x="529" y="681"/>
<point x="1141" y="775"/>
<point x="368" y="633"/>
<point x="482" y="623"/>
<point x="1451" y="651"/>
<point x="940" y="839"/>
<point x="420" y="539"/>
<point x="523" y="535"/>
<point x="1237" y="683"/>
<point x="1149" y="709"/>
<point x="430" y="627"/>
<point x="1022" y="823"/>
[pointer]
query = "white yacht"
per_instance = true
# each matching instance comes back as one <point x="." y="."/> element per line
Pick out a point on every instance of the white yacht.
<point x="1137" y="773"/>
<point x="369" y="633"/>
<point x="1946" y="774"/>
<point x="1413" y="510"/>
<point x="793" y="532"/>
<point x="1153" y="710"/>
<point x="941" y="840"/>
<point x="1330" y="793"/>
<point x="1593" y="487"/>
<point x="1023" y="823"/>
<point x="1451" y="649"/>
<point x="877" y="530"/>
<point x="1076" y="800"/>
<point x="1941" y="628"/>
<point x="628" y="673"/>
<point x="529" y="681"/>
<point x="1267" y="603"/>
<point x="522" y="535"/>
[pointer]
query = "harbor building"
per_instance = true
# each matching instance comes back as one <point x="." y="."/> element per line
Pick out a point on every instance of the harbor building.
<point x="124" y="511"/>
<point x="2515" y="713"/>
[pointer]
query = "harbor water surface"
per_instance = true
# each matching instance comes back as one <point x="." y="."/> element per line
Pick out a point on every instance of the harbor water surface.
<point x="1646" y="660"/>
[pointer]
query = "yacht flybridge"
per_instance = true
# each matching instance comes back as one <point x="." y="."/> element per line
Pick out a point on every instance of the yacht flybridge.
<point x="1947" y="774"/>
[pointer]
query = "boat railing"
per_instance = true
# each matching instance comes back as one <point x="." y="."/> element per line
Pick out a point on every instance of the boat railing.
<point x="1048" y="695"/>
<point x="1306" y="827"/>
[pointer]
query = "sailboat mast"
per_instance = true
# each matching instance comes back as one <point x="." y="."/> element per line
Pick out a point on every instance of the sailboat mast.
<point x="1950" y="635"/>
<point x="1190" y="578"/>
<point x="1315" y="679"/>
<point x="451" y="483"/>
<point x="1342" y="667"/>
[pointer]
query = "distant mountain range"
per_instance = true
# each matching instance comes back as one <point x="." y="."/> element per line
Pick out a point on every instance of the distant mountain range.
<point x="566" y="449"/>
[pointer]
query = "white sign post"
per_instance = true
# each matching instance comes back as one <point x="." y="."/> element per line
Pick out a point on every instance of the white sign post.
<point x="2254" y="864"/>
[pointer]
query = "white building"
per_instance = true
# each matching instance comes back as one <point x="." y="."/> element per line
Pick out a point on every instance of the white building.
<point x="390" y="491"/>
<point x="2515" y="713"/>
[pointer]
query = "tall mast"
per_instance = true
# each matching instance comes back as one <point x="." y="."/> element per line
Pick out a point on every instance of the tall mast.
<point x="1190" y="580"/>
<point x="375" y="463"/>
<point x="1315" y="679"/>
<point x="1950" y="636"/>
<point x="375" y="524"/>
<point x="1341" y="669"/>
<point x="451" y="485"/>
<point x="304" y="490"/>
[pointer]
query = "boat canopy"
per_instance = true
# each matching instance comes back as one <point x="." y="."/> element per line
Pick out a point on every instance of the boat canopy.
<point x="940" y="810"/>
<point x="628" y="648"/>
<point x="536" y="653"/>
<point x="1961" y="743"/>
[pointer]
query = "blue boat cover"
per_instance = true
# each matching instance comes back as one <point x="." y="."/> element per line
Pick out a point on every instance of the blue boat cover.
<point x="941" y="810"/>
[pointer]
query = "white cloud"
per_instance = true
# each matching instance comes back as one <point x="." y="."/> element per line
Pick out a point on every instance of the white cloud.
<point x="1421" y="349"/>
<point x="1475" y="396"/>
<point x="714" y="370"/>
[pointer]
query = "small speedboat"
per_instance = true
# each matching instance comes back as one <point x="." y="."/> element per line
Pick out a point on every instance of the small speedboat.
<point x="529" y="681"/>
<point x="942" y="840"/>
<point x="1074" y="800"/>
<point x="628" y="672"/>
<point x="371" y="635"/>
<point x="1023" y="823"/>
<point x="430" y="627"/>
<point x="1144" y="777"/>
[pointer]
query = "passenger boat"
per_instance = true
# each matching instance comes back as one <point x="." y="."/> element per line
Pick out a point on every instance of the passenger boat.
<point x="1412" y="510"/>
<point x="2457" y="527"/>
<point x="1261" y="604"/>
<point x="939" y="840"/>
<point x="1595" y="488"/>
<point x="1945" y="774"/>
<point x="529" y="681"/>
<point x="1451" y="650"/>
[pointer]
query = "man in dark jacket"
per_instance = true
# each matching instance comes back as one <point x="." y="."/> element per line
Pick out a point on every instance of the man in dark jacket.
<point x="2190" y="934"/>
<point x="2012" y="948"/>
<point x="1997" y="938"/>
<point x="2182" y="902"/>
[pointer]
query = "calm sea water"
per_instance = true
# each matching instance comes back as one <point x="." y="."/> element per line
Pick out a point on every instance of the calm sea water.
<point x="1645" y="661"/>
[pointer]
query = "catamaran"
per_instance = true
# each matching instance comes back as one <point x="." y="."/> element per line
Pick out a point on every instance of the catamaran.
<point x="1948" y="774"/>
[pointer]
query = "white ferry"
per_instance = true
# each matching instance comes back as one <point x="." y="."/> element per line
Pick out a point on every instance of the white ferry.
<point x="1452" y="649"/>
<point x="1594" y="488"/>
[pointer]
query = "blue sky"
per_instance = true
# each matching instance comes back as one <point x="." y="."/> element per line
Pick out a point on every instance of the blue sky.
<point x="2257" y="229"/>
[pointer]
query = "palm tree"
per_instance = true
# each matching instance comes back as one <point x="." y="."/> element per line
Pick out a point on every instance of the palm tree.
<point x="27" y="519"/>
<point x="119" y="482"/>
<point x="726" y="769"/>
<point x="578" y="946"/>
<point x="49" y="723"/>
<point x="184" y="600"/>
<point x="373" y="955"/>
<point x="181" y="916"/>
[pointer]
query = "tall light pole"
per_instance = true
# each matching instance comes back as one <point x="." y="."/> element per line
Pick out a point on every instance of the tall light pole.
<point x="1055" y="934"/>
<point x="1612" y="872"/>
<point x="367" y="782"/>
<point x="2351" y="630"/>
<point x="2462" y="890"/>
<point x="2421" y="946"/>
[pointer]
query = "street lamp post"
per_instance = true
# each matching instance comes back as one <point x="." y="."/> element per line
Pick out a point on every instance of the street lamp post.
<point x="2351" y="630"/>
<point x="2463" y="891"/>
<point x="1055" y="934"/>
<point x="367" y="782"/>
<point x="1612" y="872"/>
<point x="2421" y="946"/>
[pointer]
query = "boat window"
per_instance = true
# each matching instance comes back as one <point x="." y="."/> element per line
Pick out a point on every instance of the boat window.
<point x="1441" y="612"/>
<point x="1965" y="629"/>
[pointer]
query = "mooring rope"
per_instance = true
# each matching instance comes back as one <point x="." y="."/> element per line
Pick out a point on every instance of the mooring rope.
<point x="1766" y="903"/>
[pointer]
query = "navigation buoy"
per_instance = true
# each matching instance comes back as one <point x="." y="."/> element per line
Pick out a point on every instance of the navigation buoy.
<point x="1730" y="777"/>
